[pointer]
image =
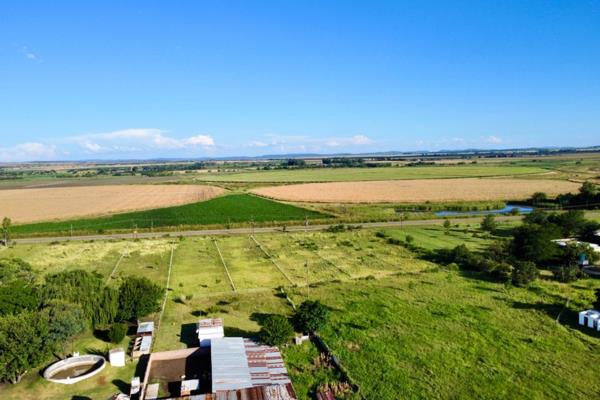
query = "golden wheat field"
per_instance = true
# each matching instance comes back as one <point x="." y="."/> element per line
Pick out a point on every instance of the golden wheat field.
<point x="417" y="191"/>
<point x="32" y="205"/>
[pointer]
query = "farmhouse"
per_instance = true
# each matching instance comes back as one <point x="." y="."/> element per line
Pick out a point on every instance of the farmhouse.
<point x="222" y="368"/>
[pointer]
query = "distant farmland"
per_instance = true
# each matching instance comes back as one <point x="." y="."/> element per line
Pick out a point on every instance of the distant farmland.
<point x="44" y="204"/>
<point x="372" y="174"/>
<point x="235" y="208"/>
<point x="417" y="191"/>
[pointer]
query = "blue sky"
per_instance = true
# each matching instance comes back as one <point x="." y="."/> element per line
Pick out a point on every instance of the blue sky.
<point x="108" y="80"/>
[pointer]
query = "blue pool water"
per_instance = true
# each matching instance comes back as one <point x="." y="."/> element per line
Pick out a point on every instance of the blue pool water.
<point x="505" y="210"/>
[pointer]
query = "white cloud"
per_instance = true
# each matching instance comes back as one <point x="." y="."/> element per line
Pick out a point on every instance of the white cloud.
<point x="200" y="140"/>
<point x="302" y="143"/>
<point x="29" y="151"/>
<point x="360" y="140"/>
<point x="92" y="147"/>
<point x="30" y="55"/>
<point x="139" y="140"/>
<point x="493" y="139"/>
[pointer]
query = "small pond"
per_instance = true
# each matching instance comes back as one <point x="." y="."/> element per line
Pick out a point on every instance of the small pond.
<point x="506" y="210"/>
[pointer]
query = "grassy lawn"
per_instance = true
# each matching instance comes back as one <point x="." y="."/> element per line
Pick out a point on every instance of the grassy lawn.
<point x="371" y="174"/>
<point x="98" y="256"/>
<point x="235" y="208"/>
<point x="402" y="327"/>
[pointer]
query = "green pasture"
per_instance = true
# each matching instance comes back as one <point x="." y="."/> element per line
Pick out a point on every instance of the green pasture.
<point x="401" y="326"/>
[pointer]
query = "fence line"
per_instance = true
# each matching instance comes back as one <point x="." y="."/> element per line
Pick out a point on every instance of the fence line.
<point x="271" y="259"/>
<point x="164" y="304"/>
<point x="225" y="265"/>
<point x="115" y="267"/>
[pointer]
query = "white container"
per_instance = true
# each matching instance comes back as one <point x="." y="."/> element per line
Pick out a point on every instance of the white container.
<point x="117" y="357"/>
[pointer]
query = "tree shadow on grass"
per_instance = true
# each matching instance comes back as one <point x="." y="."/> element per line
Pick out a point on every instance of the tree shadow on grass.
<point x="236" y="332"/>
<point x="259" y="318"/>
<point x="188" y="335"/>
<point x="568" y="317"/>
<point x="121" y="385"/>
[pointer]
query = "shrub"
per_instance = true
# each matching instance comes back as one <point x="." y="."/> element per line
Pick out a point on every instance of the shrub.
<point x="524" y="273"/>
<point x="276" y="330"/>
<point x="311" y="316"/>
<point x="117" y="332"/>
<point x="489" y="224"/>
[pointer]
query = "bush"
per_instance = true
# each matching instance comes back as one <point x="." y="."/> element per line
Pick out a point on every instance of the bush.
<point x="311" y="316"/>
<point x="489" y="224"/>
<point x="117" y="332"/>
<point x="276" y="330"/>
<point x="524" y="273"/>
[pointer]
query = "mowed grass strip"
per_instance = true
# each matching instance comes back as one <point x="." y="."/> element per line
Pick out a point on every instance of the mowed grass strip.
<point x="371" y="174"/>
<point x="234" y="208"/>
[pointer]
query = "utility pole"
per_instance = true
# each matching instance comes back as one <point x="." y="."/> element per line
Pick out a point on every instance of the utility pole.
<point x="71" y="230"/>
<point x="305" y="223"/>
<point x="252" y="223"/>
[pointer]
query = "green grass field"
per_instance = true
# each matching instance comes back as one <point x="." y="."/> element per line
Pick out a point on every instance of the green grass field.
<point x="231" y="209"/>
<point x="401" y="326"/>
<point x="371" y="174"/>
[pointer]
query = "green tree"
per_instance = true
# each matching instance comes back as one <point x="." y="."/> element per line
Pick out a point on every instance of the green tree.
<point x="311" y="316"/>
<point x="18" y="295"/>
<point x="75" y="286"/>
<point x="65" y="320"/>
<point x="489" y="223"/>
<point x="108" y="308"/>
<point x="569" y="269"/>
<point x="538" y="197"/>
<point x="533" y="242"/>
<point x="117" y="332"/>
<point x="276" y="330"/>
<point x="23" y="344"/>
<point x="6" y="224"/>
<point x="447" y="225"/>
<point x="138" y="297"/>
<point x="524" y="273"/>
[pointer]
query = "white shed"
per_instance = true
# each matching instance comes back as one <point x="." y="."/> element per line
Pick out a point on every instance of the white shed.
<point x="208" y="329"/>
<point x="117" y="357"/>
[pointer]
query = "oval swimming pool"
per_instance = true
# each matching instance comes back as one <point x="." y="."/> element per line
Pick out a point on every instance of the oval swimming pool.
<point x="74" y="369"/>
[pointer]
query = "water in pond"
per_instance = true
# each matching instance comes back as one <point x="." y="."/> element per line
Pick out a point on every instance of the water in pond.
<point x="506" y="210"/>
<point x="76" y="370"/>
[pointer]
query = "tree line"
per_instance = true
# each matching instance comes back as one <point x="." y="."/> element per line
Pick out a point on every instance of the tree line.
<point x="38" y="320"/>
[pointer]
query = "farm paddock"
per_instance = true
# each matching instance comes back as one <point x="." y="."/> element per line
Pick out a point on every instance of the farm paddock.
<point x="418" y="190"/>
<point x="44" y="204"/>
<point x="400" y="326"/>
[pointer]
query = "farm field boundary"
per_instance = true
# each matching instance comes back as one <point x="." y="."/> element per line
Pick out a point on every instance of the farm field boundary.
<point x="220" y="211"/>
<point x="417" y="191"/>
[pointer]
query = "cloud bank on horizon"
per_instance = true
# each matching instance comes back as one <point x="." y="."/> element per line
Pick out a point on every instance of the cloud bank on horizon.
<point x="147" y="143"/>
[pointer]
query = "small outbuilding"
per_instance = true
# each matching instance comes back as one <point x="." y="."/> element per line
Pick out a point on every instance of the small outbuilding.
<point x="209" y="329"/>
<point x="117" y="357"/>
<point x="590" y="318"/>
